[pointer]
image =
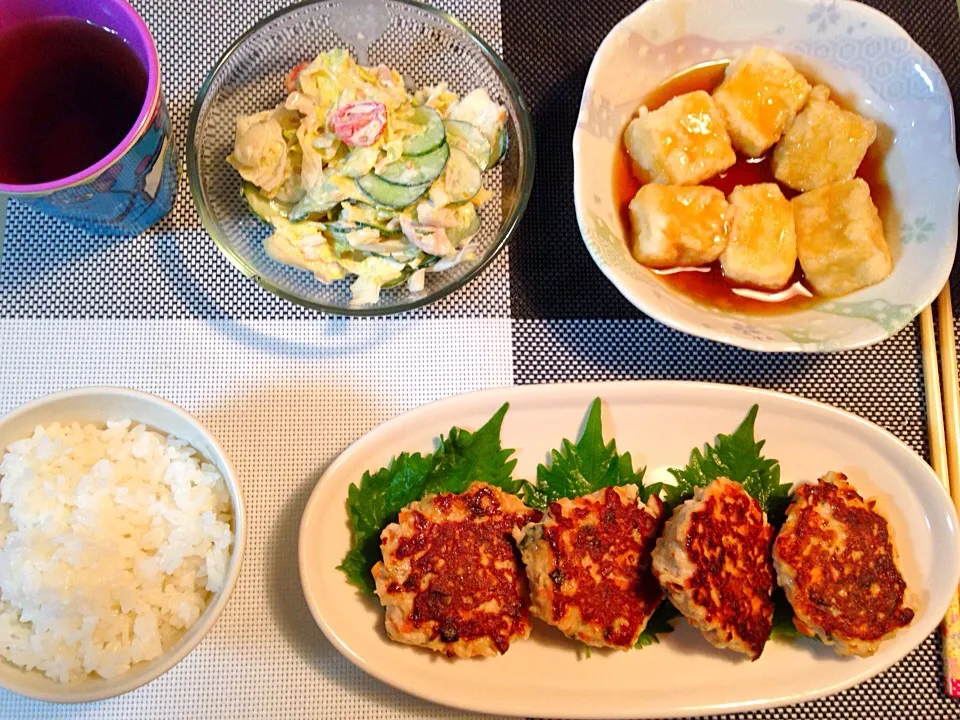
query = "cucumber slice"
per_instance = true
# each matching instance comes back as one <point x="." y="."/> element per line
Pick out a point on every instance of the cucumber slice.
<point x="310" y="205"/>
<point x="263" y="207"/>
<point x="340" y="231"/>
<point x="432" y="135"/>
<point x="359" y="213"/>
<point x="469" y="139"/>
<point x="359" y="161"/>
<point x="418" y="169"/>
<point x="386" y="232"/>
<point x="461" y="178"/>
<point x="404" y="274"/>
<point x="341" y="247"/>
<point x="499" y="148"/>
<point x="389" y="195"/>
<point x="468" y="224"/>
<point x="370" y="216"/>
<point x="341" y="228"/>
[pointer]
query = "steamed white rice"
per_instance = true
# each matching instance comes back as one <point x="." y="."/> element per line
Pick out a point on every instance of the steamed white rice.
<point x="111" y="543"/>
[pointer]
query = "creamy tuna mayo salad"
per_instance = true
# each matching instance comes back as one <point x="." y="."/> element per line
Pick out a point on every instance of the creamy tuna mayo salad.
<point x="360" y="178"/>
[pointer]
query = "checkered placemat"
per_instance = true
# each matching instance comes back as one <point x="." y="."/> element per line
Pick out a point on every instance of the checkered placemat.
<point x="286" y="389"/>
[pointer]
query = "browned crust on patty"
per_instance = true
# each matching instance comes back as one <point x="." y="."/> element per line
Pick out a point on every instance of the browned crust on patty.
<point x="837" y="564"/>
<point x="450" y="577"/>
<point x="588" y="564"/>
<point x="714" y="562"/>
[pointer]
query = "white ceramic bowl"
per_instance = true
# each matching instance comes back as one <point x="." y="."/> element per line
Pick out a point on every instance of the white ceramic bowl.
<point x="863" y="55"/>
<point x="98" y="405"/>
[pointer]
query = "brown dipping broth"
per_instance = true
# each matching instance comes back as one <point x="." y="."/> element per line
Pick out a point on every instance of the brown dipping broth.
<point x="708" y="285"/>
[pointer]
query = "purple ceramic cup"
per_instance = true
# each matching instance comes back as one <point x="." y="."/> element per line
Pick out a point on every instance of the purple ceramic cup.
<point x="136" y="183"/>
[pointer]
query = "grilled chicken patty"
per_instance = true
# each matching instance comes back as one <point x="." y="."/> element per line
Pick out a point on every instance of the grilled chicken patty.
<point x="838" y="567"/>
<point x="450" y="578"/>
<point x="588" y="563"/>
<point x="714" y="563"/>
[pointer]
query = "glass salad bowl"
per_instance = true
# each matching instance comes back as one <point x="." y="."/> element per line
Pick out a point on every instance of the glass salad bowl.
<point x="426" y="46"/>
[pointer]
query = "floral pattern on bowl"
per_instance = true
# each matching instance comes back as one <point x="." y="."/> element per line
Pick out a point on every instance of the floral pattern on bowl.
<point x="864" y="56"/>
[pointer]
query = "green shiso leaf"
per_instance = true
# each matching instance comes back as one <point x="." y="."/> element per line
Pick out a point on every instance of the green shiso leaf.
<point x="463" y="457"/>
<point x="736" y="457"/>
<point x="589" y="465"/>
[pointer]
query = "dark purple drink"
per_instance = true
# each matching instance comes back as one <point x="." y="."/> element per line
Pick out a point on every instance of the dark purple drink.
<point x="70" y="91"/>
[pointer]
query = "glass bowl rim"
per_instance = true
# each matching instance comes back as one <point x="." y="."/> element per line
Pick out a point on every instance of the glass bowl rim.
<point x="507" y="228"/>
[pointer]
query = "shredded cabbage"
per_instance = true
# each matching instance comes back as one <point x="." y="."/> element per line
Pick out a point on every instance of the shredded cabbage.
<point x="416" y="281"/>
<point x="478" y="109"/>
<point x="260" y="151"/>
<point x="326" y="224"/>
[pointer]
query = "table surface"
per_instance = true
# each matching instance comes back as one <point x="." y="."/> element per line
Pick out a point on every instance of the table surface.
<point x="286" y="390"/>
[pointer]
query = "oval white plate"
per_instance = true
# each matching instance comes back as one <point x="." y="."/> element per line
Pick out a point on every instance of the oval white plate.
<point x="864" y="56"/>
<point x="659" y="422"/>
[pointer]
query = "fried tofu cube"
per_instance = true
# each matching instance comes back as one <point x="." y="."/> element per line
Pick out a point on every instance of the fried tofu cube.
<point x="684" y="142"/>
<point x="823" y="146"/>
<point x="678" y="226"/>
<point x="840" y="241"/>
<point x="762" y="240"/>
<point x="759" y="97"/>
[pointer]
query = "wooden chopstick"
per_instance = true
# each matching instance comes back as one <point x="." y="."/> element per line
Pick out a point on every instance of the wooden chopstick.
<point x="951" y="405"/>
<point x="943" y="416"/>
<point x="951" y="391"/>
<point x="931" y="382"/>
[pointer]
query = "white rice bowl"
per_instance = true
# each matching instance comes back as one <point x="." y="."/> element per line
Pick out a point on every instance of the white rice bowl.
<point x="112" y="541"/>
